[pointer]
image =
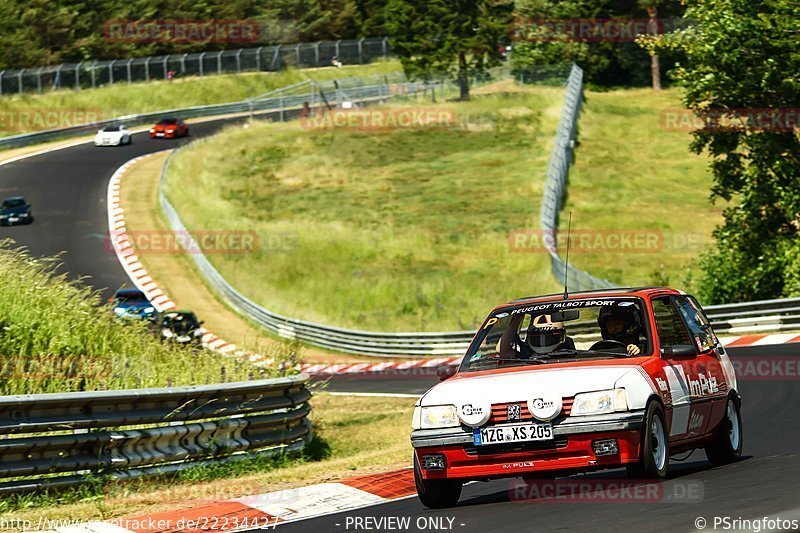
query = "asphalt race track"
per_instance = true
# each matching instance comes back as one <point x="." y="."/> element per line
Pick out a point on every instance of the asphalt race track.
<point x="67" y="189"/>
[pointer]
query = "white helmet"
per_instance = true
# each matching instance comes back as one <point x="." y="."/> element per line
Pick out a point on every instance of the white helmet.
<point x="545" y="336"/>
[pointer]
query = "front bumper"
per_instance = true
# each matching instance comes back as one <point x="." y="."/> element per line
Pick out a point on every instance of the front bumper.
<point x="570" y="450"/>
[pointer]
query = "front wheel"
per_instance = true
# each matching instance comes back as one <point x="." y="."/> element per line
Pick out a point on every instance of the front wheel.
<point x="654" y="448"/>
<point x="727" y="446"/>
<point x="436" y="493"/>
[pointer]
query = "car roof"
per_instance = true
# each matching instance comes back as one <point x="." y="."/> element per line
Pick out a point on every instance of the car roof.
<point x="123" y="292"/>
<point x="640" y="292"/>
<point x="13" y="198"/>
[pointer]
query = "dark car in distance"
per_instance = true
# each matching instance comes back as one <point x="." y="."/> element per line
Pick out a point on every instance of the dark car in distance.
<point x="15" y="210"/>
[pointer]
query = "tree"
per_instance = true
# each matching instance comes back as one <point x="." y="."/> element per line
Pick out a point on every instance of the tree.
<point x="742" y="58"/>
<point x="458" y="38"/>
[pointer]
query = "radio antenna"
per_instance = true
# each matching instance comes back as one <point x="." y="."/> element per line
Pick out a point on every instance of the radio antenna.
<point x="566" y="263"/>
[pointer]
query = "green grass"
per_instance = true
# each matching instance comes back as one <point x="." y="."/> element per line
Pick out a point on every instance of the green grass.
<point x="56" y="336"/>
<point x="383" y="230"/>
<point x="123" y="99"/>
<point x="631" y="173"/>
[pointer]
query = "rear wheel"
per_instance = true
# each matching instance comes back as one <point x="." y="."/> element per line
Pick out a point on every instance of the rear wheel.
<point x="727" y="446"/>
<point x="654" y="448"/>
<point x="436" y="493"/>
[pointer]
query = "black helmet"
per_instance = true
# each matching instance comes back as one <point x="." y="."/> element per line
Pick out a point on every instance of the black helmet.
<point x="629" y="314"/>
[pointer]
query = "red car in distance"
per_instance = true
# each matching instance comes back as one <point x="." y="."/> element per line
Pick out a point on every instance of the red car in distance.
<point x="169" y="128"/>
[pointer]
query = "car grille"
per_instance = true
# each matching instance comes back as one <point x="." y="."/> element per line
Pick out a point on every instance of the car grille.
<point x="500" y="411"/>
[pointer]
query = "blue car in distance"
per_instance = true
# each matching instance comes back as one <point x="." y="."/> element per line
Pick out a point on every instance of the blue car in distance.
<point x="15" y="210"/>
<point x="132" y="304"/>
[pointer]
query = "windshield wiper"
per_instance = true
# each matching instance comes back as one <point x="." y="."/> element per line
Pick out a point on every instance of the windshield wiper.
<point x="508" y="360"/>
<point x="600" y="352"/>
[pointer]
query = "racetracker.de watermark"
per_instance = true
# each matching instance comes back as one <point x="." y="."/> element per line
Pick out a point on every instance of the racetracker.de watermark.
<point x="381" y="119"/>
<point x="183" y="31"/>
<point x="613" y="241"/>
<point x="595" y="491"/>
<point x="24" y="120"/>
<point x="621" y="30"/>
<point x="766" y="368"/>
<point x="224" y="242"/>
<point x="744" y="119"/>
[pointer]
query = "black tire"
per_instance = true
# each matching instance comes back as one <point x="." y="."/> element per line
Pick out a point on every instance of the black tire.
<point x="436" y="493"/>
<point x="654" y="449"/>
<point x="727" y="445"/>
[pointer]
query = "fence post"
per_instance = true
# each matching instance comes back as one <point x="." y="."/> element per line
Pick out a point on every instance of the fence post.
<point x="219" y="62"/>
<point x="316" y="53"/>
<point x="183" y="63"/>
<point x="19" y="81"/>
<point x="276" y="61"/>
<point x="92" y="71"/>
<point x="1" y="81"/>
<point x="297" y="54"/>
<point x="147" y="68"/>
<point x="57" y="80"/>
<point x="239" y="61"/>
<point x="128" y="68"/>
<point x="200" y="60"/>
<point x="258" y="58"/>
<point x="360" y="51"/>
<point x="338" y="53"/>
<point x="39" y="80"/>
<point x="166" y="66"/>
<point x="78" y="76"/>
<point x="111" y="72"/>
<point x="385" y="45"/>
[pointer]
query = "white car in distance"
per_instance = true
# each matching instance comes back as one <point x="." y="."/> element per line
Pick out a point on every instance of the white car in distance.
<point x="113" y="136"/>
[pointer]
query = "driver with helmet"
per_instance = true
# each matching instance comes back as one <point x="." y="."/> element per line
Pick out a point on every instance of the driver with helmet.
<point x="621" y="324"/>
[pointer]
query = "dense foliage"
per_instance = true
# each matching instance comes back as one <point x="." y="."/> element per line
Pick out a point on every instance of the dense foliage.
<point x="743" y="56"/>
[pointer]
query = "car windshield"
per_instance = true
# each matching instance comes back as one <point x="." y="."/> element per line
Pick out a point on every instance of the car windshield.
<point x="168" y="122"/>
<point x="180" y="321"/>
<point x="13" y="202"/>
<point x="560" y="331"/>
<point x="112" y="128"/>
<point x="130" y="297"/>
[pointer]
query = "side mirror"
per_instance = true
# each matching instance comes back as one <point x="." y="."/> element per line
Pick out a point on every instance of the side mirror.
<point x="446" y="372"/>
<point x="680" y="350"/>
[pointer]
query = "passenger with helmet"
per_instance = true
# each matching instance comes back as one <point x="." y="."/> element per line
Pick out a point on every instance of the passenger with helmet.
<point x="621" y="324"/>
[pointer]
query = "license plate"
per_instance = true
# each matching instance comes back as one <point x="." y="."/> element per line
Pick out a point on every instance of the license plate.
<point x="512" y="433"/>
<point x="159" y="134"/>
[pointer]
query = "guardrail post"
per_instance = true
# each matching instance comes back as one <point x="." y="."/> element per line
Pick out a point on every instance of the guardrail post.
<point x="200" y="61"/>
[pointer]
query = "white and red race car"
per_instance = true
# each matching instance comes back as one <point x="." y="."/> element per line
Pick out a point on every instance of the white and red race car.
<point x="552" y="386"/>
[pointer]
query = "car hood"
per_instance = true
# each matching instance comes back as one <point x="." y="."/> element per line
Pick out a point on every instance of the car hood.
<point x="517" y="386"/>
<point x="110" y="134"/>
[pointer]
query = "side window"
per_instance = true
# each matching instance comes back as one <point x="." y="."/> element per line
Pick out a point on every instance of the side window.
<point x="670" y="328"/>
<point x="697" y="323"/>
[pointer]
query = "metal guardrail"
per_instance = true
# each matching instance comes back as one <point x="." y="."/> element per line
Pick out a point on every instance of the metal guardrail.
<point x="556" y="184"/>
<point x="62" y="440"/>
<point x="91" y="74"/>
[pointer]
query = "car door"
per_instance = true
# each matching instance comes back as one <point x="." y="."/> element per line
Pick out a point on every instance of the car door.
<point x="682" y="362"/>
<point x="711" y="372"/>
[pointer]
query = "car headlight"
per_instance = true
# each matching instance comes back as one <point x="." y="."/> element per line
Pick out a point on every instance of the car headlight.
<point x="149" y="309"/>
<point x="170" y="131"/>
<point x="599" y="403"/>
<point x="119" y="310"/>
<point x="152" y="130"/>
<point x="439" y="416"/>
